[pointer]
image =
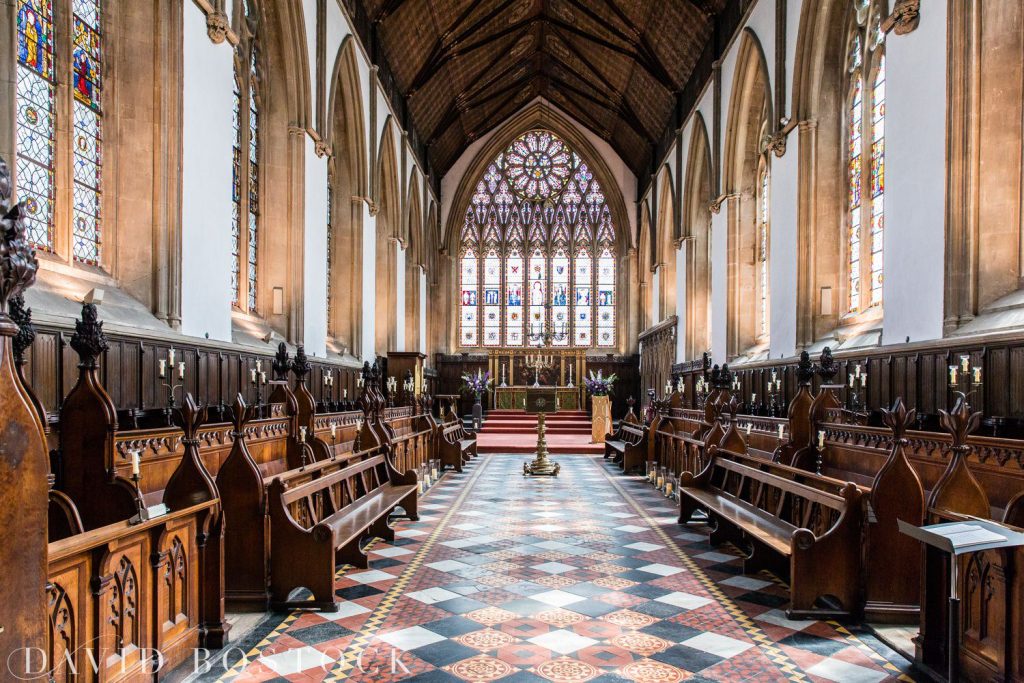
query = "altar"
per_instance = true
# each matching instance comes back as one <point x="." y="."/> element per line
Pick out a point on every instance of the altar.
<point x="514" y="398"/>
<point x="513" y="374"/>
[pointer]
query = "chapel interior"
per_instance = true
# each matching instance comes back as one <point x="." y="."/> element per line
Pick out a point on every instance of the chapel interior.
<point x="511" y="340"/>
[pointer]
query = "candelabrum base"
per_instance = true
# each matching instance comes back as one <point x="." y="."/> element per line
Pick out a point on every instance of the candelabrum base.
<point x="541" y="465"/>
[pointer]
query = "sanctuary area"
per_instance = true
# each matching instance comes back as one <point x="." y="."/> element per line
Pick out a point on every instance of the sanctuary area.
<point x="511" y="341"/>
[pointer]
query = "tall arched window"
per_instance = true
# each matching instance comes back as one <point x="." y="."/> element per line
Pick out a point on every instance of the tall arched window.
<point x="865" y="155"/>
<point x="541" y="217"/>
<point x="763" y="238"/>
<point x="246" y="182"/>
<point x="40" y="59"/>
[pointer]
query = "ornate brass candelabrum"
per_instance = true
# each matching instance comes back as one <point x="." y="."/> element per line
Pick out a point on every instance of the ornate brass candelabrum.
<point x="541" y="466"/>
<point x="537" y="362"/>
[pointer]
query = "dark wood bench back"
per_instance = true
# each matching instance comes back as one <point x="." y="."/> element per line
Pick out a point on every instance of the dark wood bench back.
<point x="632" y="434"/>
<point x="311" y="502"/>
<point x="789" y="501"/>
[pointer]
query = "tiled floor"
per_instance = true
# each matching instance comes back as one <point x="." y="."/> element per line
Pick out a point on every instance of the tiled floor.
<point x="583" y="577"/>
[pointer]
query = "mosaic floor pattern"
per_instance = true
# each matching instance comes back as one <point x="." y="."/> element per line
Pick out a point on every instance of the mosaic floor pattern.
<point x="585" y="577"/>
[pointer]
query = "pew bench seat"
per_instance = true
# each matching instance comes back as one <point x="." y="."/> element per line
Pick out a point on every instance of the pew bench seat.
<point x="456" y="446"/>
<point x="805" y="533"/>
<point x="319" y="524"/>
<point x="627" y="446"/>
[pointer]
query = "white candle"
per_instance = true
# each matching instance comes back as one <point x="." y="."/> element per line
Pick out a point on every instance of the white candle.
<point x="851" y="380"/>
<point x="781" y="429"/>
<point x="748" y="429"/>
<point x="753" y="398"/>
<point x="857" y="369"/>
<point x="170" y="356"/>
<point x="977" y="375"/>
<point x="821" y="439"/>
<point x="181" y="371"/>
<point x="259" y="365"/>
<point x="334" y="430"/>
<point x="263" y="378"/>
<point x="253" y="372"/>
<point x="952" y="374"/>
<point x="344" y="393"/>
<point x="302" y="433"/>
<point x="965" y="362"/>
<point x="135" y="463"/>
<point x="163" y="368"/>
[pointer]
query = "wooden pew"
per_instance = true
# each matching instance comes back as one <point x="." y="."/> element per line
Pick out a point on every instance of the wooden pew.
<point x="456" y="447"/>
<point x="121" y="591"/>
<point x="627" y="446"/>
<point x="323" y="522"/>
<point x="804" y="534"/>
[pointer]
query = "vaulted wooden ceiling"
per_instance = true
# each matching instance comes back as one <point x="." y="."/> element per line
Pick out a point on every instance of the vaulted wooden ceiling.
<point x="617" y="66"/>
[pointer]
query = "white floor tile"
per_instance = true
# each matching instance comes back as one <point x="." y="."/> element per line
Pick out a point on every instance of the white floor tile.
<point x="838" y="670"/>
<point x="747" y="582"/>
<point x="660" y="569"/>
<point x="718" y="645"/>
<point x="390" y="551"/>
<point x="684" y="600"/>
<point x="298" y="659"/>
<point x="553" y="567"/>
<point x="563" y="641"/>
<point x="432" y="595"/>
<point x="644" y="547"/>
<point x="371" y="576"/>
<point x="556" y="598"/>
<point x="411" y="638"/>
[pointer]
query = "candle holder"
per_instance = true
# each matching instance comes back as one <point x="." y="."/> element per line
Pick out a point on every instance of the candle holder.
<point x="329" y="384"/>
<point x="258" y="380"/>
<point x="356" y="447"/>
<point x="503" y="385"/>
<point x="965" y="378"/>
<point x="334" y="440"/>
<point x="537" y="362"/>
<point x="856" y="392"/>
<point x="166" y="365"/>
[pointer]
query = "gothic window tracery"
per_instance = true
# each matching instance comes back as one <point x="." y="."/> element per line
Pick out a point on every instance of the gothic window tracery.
<point x="40" y="59"/>
<point x="865" y="155"/>
<point x="245" y="220"/>
<point x="536" y="220"/>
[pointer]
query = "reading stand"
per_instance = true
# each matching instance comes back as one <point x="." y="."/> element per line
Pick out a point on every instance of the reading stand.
<point x="955" y="539"/>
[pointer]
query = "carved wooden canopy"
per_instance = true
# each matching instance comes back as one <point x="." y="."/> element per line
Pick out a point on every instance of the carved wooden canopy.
<point x="617" y="66"/>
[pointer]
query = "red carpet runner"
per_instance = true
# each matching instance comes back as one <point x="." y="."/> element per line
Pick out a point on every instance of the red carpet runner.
<point x="513" y="431"/>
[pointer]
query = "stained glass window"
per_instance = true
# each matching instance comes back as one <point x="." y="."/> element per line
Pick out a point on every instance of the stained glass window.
<point x="35" y="118"/>
<point x="538" y="215"/>
<point x="330" y="239"/>
<point x="763" y="234"/>
<point x="245" y="220"/>
<point x="865" y="164"/>
<point x="87" y="140"/>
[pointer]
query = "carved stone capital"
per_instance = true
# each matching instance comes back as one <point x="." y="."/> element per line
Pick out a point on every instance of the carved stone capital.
<point x="905" y="17"/>
<point x="217" y="26"/>
<point x="321" y="148"/>
<point x="774" y="143"/>
<point x="715" y="205"/>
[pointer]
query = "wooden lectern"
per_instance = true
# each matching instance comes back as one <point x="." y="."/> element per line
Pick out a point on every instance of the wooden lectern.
<point x="540" y="401"/>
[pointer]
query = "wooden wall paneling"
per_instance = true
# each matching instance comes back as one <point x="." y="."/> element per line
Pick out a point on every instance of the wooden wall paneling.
<point x="1015" y="382"/>
<point x="69" y="368"/>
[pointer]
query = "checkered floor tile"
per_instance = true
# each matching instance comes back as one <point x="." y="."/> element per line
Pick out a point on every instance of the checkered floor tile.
<point x="583" y="577"/>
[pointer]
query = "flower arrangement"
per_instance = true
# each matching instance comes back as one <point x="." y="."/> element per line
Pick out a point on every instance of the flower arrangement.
<point x="598" y="385"/>
<point x="477" y="384"/>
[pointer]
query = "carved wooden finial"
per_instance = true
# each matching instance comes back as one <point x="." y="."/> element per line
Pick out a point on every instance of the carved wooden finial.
<point x="804" y="370"/>
<point x="960" y="422"/>
<point x="898" y="419"/>
<point x="241" y="414"/>
<point x="827" y="368"/>
<point x="724" y="377"/>
<point x="89" y="341"/>
<point x="300" y="365"/>
<point x="190" y="417"/>
<point x="715" y="372"/>
<point x="18" y="263"/>
<point x="734" y="408"/>
<point x="22" y="317"/>
<point x="705" y="362"/>
<point x="281" y="363"/>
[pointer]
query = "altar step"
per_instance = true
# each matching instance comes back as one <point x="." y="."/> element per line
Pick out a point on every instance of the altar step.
<point x="515" y="431"/>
